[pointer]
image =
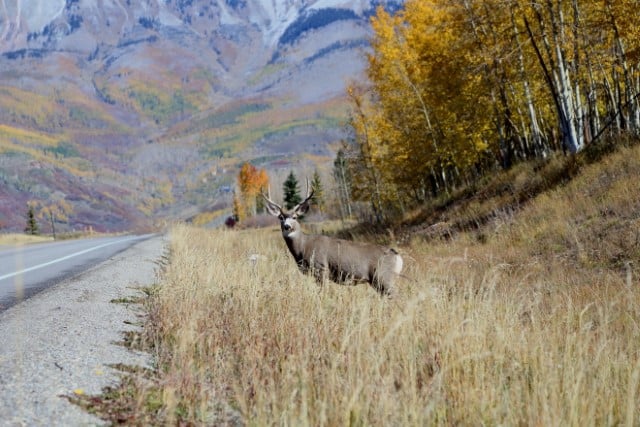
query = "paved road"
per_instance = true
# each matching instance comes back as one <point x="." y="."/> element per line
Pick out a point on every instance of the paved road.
<point x="26" y="270"/>
<point x="63" y="340"/>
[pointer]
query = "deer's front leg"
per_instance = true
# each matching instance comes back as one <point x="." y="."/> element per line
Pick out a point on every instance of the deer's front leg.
<point x="319" y="270"/>
<point x="320" y="276"/>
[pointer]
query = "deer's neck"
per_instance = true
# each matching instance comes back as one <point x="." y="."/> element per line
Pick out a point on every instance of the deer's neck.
<point x="296" y="245"/>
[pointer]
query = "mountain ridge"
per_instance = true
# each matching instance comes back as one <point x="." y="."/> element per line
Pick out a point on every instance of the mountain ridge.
<point x="106" y="85"/>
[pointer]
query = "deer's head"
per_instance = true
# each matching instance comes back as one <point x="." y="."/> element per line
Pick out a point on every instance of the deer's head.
<point x="289" y="219"/>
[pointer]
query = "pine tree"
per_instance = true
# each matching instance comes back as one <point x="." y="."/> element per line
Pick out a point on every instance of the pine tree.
<point x="291" y="192"/>
<point x="32" y="225"/>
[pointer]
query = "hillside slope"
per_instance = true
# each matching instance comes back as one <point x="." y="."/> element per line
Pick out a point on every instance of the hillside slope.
<point x="582" y="212"/>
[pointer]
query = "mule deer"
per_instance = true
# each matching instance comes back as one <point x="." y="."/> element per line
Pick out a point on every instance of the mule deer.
<point x="342" y="261"/>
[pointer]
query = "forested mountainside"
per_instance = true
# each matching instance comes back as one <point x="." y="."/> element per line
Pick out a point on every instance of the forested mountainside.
<point x="116" y="113"/>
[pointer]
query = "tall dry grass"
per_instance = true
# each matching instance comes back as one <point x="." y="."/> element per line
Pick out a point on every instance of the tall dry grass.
<point x="536" y="323"/>
<point x="472" y="341"/>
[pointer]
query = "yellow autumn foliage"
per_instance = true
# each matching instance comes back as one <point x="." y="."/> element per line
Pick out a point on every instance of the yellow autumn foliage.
<point x="426" y="115"/>
<point x="456" y="88"/>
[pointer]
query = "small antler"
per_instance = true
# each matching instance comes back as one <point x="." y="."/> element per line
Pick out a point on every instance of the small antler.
<point x="303" y="206"/>
<point x="272" y="207"/>
<point x="268" y="196"/>
<point x="309" y="193"/>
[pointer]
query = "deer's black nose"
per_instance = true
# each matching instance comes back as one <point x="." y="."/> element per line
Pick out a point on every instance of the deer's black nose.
<point x="286" y="227"/>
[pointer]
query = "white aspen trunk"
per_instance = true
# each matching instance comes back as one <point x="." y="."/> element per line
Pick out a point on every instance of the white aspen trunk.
<point x="423" y="106"/>
<point x="592" y="98"/>
<point x="629" y="102"/>
<point x="581" y="104"/>
<point x="571" y="137"/>
<point x="612" y="100"/>
<point x="534" y="126"/>
<point x="580" y="115"/>
<point x="343" y="192"/>
<point x="558" y="81"/>
<point x="563" y="84"/>
<point x="623" y="120"/>
<point x="636" y="103"/>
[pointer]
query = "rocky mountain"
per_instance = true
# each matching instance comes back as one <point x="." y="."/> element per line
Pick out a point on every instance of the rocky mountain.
<point x="124" y="111"/>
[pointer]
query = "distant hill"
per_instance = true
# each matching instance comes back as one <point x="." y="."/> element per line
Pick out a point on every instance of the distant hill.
<point x="131" y="110"/>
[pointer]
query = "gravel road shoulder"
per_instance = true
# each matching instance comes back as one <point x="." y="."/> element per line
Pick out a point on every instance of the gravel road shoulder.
<point x="62" y="340"/>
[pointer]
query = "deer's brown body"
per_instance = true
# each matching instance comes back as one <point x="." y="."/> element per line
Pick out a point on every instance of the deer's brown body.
<point x="342" y="261"/>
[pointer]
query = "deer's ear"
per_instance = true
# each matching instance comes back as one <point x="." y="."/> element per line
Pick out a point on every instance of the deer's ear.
<point x="302" y="208"/>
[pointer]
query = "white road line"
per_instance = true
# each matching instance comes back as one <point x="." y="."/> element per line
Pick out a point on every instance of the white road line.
<point x="64" y="258"/>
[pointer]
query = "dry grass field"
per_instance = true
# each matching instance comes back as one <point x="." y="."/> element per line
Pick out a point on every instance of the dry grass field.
<point x="14" y="239"/>
<point x="536" y="323"/>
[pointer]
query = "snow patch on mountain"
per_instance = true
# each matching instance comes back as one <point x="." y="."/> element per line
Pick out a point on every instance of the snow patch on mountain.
<point x="29" y="23"/>
<point x="24" y="16"/>
<point x="273" y="17"/>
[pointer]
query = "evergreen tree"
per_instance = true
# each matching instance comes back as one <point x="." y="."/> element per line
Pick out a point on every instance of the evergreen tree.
<point x="291" y="192"/>
<point x="32" y="225"/>
<point x="318" y="191"/>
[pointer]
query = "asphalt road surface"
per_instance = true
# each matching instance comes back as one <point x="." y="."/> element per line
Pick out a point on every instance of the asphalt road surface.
<point x="63" y="341"/>
<point x="28" y="269"/>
